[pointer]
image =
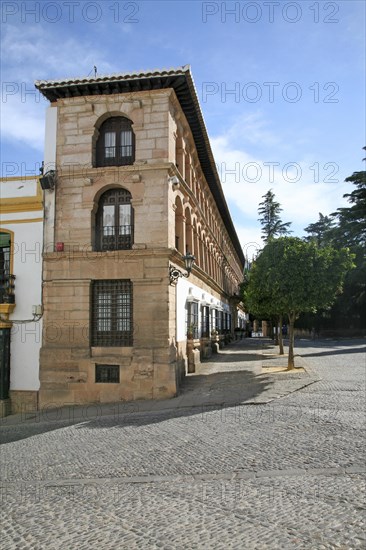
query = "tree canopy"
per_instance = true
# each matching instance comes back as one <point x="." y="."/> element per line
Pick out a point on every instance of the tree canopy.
<point x="291" y="276"/>
<point x="321" y="231"/>
<point x="270" y="219"/>
<point x="346" y="228"/>
<point x="352" y="219"/>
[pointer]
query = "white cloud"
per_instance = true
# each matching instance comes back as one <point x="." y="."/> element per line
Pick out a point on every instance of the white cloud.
<point x="47" y="56"/>
<point x="252" y="129"/>
<point x="23" y="121"/>
<point x="246" y="178"/>
<point x="32" y="54"/>
<point x="250" y="239"/>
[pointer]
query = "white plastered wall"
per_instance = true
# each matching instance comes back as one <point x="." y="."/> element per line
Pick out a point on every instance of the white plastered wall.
<point x="26" y="338"/>
<point x="186" y="290"/>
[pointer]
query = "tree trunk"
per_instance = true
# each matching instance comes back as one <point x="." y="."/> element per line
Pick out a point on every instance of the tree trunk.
<point x="280" y="338"/>
<point x="271" y="329"/>
<point x="291" y="357"/>
<point x="276" y="333"/>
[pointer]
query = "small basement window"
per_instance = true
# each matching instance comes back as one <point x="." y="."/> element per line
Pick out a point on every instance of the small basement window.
<point x="107" y="374"/>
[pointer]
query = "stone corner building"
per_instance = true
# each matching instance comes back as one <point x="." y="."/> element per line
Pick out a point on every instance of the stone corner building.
<point x="136" y="188"/>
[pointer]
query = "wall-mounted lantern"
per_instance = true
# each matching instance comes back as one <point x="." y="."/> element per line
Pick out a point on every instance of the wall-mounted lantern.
<point x="175" y="273"/>
<point x="48" y="181"/>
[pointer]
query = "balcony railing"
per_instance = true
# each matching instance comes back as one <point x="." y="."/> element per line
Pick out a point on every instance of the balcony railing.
<point x="7" y="295"/>
<point x="116" y="237"/>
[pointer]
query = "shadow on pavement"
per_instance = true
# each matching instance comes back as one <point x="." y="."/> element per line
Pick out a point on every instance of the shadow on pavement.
<point x="336" y="352"/>
<point x="237" y="357"/>
<point x="214" y="392"/>
<point x="199" y="393"/>
<point x="330" y="347"/>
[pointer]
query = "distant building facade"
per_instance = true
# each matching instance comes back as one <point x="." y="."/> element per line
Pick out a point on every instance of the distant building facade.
<point x="21" y="245"/>
<point x="136" y="189"/>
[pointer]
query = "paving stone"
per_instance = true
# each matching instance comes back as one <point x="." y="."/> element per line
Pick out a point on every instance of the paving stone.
<point x="278" y="475"/>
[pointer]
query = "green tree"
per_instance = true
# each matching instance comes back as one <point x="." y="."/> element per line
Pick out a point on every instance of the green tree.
<point x="291" y="276"/>
<point x="321" y="231"/>
<point x="352" y="219"/>
<point x="263" y="307"/>
<point x="351" y="232"/>
<point x="345" y="228"/>
<point x="269" y="211"/>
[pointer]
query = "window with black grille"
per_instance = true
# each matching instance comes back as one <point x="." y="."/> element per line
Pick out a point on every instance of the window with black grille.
<point x="192" y="319"/>
<point x="205" y="319"/>
<point x="107" y="373"/>
<point x="112" y="313"/>
<point x="4" y="254"/>
<point x="116" y="143"/>
<point x="225" y="322"/>
<point x="213" y="319"/>
<point x="219" y="321"/>
<point x="114" y="220"/>
<point x="6" y="278"/>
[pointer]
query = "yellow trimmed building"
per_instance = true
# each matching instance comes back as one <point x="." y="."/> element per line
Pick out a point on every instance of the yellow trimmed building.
<point x="21" y="246"/>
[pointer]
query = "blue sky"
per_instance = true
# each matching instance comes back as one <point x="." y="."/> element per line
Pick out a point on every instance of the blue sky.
<point x="294" y="120"/>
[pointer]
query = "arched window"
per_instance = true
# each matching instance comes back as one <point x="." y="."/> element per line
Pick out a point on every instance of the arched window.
<point x="179" y="155"/>
<point x="179" y="226"/>
<point x="114" y="221"/>
<point x="196" y="250"/>
<point x="6" y="277"/>
<point x="189" y="232"/>
<point x="202" y="254"/>
<point x="116" y="143"/>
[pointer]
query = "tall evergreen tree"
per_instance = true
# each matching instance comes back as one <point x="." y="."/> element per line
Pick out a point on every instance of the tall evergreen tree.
<point x="352" y="219"/>
<point x="270" y="219"/>
<point x="321" y="231"/>
<point x="351" y="232"/>
<point x="346" y="228"/>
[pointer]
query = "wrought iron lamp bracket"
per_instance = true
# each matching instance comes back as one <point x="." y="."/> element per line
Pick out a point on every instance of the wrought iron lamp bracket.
<point x="175" y="273"/>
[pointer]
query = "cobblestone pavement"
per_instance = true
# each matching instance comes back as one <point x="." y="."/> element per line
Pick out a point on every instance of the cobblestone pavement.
<point x="285" y="473"/>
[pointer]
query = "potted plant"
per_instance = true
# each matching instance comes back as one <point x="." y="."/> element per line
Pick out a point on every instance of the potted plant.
<point x="191" y="329"/>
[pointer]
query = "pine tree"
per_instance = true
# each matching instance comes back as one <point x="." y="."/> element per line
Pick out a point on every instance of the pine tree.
<point x="352" y="219"/>
<point x="269" y="211"/>
<point x="321" y="231"/>
<point x="351" y="232"/>
<point x="346" y="228"/>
